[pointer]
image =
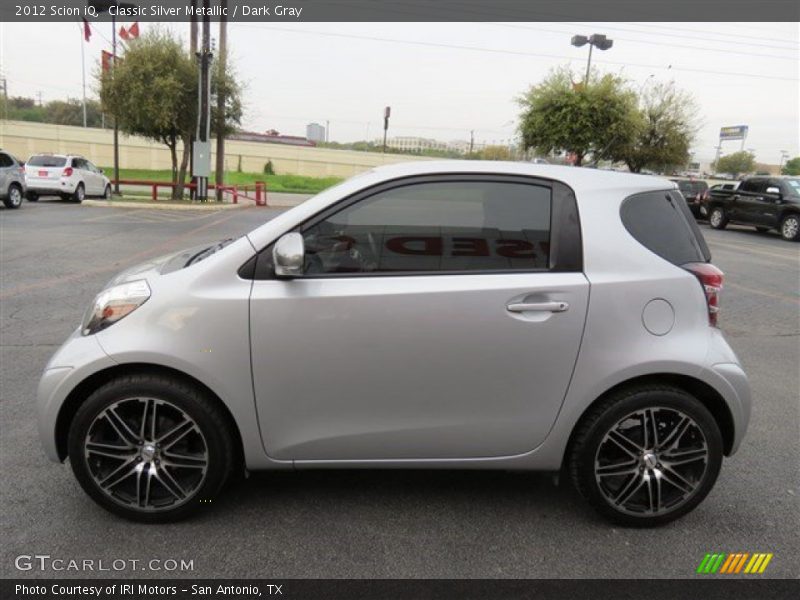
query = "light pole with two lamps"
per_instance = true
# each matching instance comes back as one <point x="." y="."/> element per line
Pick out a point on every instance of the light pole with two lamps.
<point x="597" y="40"/>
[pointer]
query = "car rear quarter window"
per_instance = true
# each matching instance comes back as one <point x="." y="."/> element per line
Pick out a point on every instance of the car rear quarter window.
<point x="5" y="160"/>
<point x="47" y="161"/>
<point x="662" y="223"/>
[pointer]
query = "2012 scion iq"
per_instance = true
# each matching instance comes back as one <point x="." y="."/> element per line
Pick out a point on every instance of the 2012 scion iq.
<point x="429" y="315"/>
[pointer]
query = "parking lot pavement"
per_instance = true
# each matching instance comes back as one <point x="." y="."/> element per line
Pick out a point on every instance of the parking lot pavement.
<point x="54" y="257"/>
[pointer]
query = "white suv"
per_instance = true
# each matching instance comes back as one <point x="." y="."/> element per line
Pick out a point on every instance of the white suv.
<point x="70" y="176"/>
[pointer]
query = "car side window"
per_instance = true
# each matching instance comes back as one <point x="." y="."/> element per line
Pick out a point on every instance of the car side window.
<point x="446" y="226"/>
<point x="5" y="161"/>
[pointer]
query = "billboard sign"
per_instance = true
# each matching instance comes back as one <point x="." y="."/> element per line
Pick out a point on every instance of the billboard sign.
<point x="735" y="132"/>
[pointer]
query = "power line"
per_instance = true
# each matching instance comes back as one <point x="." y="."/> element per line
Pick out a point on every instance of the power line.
<point x="668" y="44"/>
<point x="517" y="52"/>
<point x="706" y="33"/>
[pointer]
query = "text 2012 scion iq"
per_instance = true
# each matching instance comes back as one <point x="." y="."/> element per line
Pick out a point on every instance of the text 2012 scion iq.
<point x="431" y="315"/>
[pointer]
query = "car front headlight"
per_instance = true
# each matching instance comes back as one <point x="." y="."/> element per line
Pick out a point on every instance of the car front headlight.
<point x="113" y="304"/>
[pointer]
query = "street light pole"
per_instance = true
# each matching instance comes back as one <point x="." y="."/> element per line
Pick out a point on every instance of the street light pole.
<point x="116" y="126"/>
<point x="598" y="40"/>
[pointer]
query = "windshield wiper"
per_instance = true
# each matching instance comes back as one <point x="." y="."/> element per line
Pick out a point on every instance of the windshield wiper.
<point x="206" y="252"/>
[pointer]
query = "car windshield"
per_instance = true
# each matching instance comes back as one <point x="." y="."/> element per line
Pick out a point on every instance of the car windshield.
<point x="43" y="160"/>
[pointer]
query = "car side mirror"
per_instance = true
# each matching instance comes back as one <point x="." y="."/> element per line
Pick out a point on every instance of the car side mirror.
<point x="289" y="256"/>
<point x="774" y="191"/>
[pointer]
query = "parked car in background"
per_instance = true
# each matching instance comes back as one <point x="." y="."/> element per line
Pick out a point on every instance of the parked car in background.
<point x="693" y="191"/>
<point x="69" y="176"/>
<point x="764" y="202"/>
<point x="12" y="180"/>
<point x="420" y="315"/>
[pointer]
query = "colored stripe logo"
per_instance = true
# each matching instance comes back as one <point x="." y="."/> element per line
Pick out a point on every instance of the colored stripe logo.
<point x="732" y="564"/>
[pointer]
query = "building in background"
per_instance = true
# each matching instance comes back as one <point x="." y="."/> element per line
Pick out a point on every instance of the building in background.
<point x="315" y="132"/>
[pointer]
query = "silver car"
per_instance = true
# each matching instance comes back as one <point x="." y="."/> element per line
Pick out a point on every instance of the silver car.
<point x="436" y="315"/>
<point x="12" y="181"/>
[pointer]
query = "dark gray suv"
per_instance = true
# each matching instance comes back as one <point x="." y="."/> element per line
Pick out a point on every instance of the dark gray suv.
<point x="12" y="180"/>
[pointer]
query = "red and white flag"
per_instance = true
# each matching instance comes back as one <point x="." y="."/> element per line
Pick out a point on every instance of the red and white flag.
<point x="123" y="33"/>
<point x="87" y="30"/>
<point x="133" y="30"/>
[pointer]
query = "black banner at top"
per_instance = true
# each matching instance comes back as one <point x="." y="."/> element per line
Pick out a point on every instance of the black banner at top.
<point x="402" y="10"/>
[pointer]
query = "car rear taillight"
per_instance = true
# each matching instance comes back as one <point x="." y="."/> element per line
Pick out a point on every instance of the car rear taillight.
<point x="67" y="172"/>
<point x="711" y="279"/>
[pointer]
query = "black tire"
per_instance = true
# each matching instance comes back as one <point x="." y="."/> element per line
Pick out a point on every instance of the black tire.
<point x="762" y="229"/>
<point x="212" y="429"/>
<point x="32" y="197"/>
<point x="717" y="218"/>
<point x="790" y="227"/>
<point x="13" y="198"/>
<point x="80" y="194"/>
<point x="591" y="434"/>
<point x="107" y="193"/>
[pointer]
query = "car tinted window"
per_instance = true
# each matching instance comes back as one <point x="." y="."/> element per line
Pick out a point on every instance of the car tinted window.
<point x="662" y="223"/>
<point x="43" y="160"/>
<point x="437" y="226"/>
<point x="792" y="186"/>
<point x="5" y="160"/>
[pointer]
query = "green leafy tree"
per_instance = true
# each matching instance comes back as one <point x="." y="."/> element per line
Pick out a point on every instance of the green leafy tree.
<point x="736" y="163"/>
<point x="70" y="112"/>
<point x="664" y="131"/>
<point x="792" y="167"/>
<point x="495" y="153"/>
<point x="152" y="92"/>
<point x="595" y="119"/>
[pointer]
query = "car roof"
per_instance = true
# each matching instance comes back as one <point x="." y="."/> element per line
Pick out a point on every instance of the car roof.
<point x="578" y="178"/>
<point x="56" y="155"/>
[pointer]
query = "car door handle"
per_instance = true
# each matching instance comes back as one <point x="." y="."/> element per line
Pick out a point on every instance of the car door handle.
<point x="538" y="306"/>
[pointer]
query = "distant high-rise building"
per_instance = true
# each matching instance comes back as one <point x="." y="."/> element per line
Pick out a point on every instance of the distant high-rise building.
<point x="315" y="132"/>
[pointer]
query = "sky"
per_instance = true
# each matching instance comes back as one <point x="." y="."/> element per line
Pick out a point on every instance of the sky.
<point x="444" y="80"/>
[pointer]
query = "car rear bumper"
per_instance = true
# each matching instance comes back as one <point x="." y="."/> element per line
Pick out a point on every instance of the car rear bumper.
<point x="55" y="186"/>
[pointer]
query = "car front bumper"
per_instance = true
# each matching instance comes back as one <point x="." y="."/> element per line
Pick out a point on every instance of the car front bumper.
<point x="78" y="358"/>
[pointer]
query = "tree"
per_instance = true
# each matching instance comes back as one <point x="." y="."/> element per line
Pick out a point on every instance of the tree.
<point x="665" y="130"/>
<point x="792" y="167"/>
<point x="736" y="163"/>
<point x="152" y="92"/>
<point x="561" y="116"/>
<point x="70" y="112"/>
<point x="495" y="153"/>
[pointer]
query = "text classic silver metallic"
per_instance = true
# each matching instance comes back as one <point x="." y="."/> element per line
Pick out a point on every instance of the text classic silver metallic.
<point x="474" y="315"/>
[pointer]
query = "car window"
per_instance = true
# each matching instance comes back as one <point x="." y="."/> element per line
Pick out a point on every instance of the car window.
<point x="436" y="226"/>
<point x="792" y="186"/>
<point x="749" y="185"/>
<point x="661" y="222"/>
<point x="44" y="160"/>
<point x="79" y="163"/>
<point x="5" y="160"/>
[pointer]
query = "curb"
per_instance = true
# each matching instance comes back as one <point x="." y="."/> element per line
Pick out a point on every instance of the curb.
<point x="165" y="205"/>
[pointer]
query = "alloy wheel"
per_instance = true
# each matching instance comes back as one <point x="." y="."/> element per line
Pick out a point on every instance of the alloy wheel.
<point x="716" y="218"/>
<point x="15" y="195"/>
<point x="790" y="227"/>
<point x="651" y="462"/>
<point x="146" y="454"/>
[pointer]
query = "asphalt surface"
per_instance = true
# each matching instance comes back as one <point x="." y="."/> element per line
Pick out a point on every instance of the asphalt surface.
<point x="55" y="256"/>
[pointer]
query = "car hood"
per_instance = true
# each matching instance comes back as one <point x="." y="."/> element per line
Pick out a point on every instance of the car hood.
<point x="167" y="263"/>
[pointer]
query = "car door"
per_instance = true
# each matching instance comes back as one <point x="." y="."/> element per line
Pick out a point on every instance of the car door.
<point x="743" y="204"/>
<point x="6" y="165"/>
<point x="439" y="317"/>
<point x="98" y="180"/>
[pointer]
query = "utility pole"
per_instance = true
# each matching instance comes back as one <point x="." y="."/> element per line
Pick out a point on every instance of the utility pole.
<point x="471" y="140"/>
<point x="223" y="41"/>
<point x="387" y="112"/>
<point x="202" y="146"/>
<point x="116" y="127"/>
<point x="193" y="55"/>
<point x="327" y="131"/>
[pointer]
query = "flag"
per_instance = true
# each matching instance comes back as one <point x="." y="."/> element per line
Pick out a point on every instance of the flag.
<point x="87" y="30"/>
<point x="133" y="30"/>
<point x="106" y="60"/>
<point x="123" y="33"/>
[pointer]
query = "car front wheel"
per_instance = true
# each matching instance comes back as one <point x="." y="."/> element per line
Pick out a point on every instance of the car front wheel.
<point x="790" y="228"/>
<point x="150" y="448"/>
<point x="717" y="218"/>
<point x="107" y="193"/>
<point x="646" y="456"/>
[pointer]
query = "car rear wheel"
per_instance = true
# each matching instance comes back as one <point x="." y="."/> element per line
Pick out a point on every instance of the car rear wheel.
<point x="150" y="448"/>
<point x="646" y="455"/>
<point x="14" y="197"/>
<point x="790" y="228"/>
<point x="107" y="193"/>
<point x="717" y="219"/>
<point x="80" y="193"/>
